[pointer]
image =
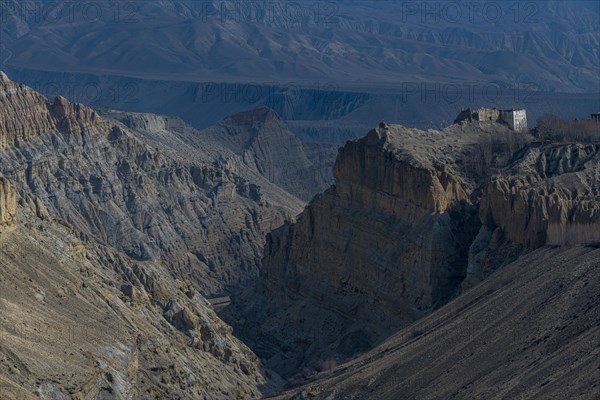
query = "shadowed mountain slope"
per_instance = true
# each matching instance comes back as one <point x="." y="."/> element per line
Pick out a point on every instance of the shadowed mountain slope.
<point x="415" y="218"/>
<point x="112" y="234"/>
<point x="264" y="143"/>
<point x="530" y="331"/>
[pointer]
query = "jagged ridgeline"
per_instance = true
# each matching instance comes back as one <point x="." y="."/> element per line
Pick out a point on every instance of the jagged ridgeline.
<point x="112" y="234"/>
<point x="116" y="227"/>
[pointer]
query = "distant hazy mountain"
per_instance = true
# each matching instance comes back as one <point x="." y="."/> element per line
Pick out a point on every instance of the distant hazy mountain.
<point x="549" y="45"/>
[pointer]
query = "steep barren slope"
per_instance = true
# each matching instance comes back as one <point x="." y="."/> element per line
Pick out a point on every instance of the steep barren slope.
<point x="80" y="321"/>
<point x="386" y="245"/>
<point x="120" y="231"/>
<point x="188" y="204"/>
<point x="264" y="143"/>
<point x="414" y="219"/>
<point x="530" y="331"/>
<point x="181" y="142"/>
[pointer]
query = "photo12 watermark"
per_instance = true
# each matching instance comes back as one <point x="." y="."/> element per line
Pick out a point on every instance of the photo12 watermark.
<point x="321" y="13"/>
<point x="90" y="92"/>
<point x="519" y="93"/>
<point x="60" y="12"/>
<point x="457" y="12"/>
<point x="253" y="92"/>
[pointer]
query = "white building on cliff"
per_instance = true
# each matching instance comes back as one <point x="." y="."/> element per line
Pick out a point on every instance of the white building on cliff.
<point x="515" y="119"/>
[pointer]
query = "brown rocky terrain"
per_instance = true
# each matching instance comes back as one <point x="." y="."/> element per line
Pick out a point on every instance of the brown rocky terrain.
<point x="264" y="143"/>
<point x="78" y="321"/>
<point x="549" y="196"/>
<point x="116" y="227"/>
<point x="415" y="218"/>
<point x="8" y="204"/>
<point x="120" y="230"/>
<point x="113" y="184"/>
<point x="17" y="100"/>
<point x="530" y="331"/>
<point x="386" y="245"/>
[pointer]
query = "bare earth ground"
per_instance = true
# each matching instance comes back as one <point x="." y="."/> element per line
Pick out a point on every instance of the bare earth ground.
<point x="532" y="331"/>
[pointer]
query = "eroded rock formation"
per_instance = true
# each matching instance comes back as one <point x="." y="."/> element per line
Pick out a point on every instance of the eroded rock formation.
<point x="383" y="247"/>
<point x="414" y="218"/>
<point x="549" y="196"/>
<point x="126" y="229"/>
<point x="188" y="204"/>
<point x="27" y="114"/>
<point x="8" y="203"/>
<point x="24" y="113"/>
<point x="263" y="143"/>
<point x="135" y="222"/>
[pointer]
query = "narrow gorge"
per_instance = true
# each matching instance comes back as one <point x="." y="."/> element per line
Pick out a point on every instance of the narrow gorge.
<point x="415" y="218"/>
<point x="118" y="229"/>
<point x="120" y="226"/>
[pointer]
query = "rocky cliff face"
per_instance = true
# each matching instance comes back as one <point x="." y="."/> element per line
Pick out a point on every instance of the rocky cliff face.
<point x="24" y="113"/>
<point x="383" y="247"/>
<point x="549" y="188"/>
<point x="549" y="195"/>
<point x="125" y="227"/>
<point x="188" y="204"/>
<point x="414" y="218"/>
<point x="140" y="222"/>
<point x="265" y="144"/>
<point x="27" y="114"/>
<point x="8" y="204"/>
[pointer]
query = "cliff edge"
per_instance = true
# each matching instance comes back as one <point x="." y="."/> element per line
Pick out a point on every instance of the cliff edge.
<point x="414" y="219"/>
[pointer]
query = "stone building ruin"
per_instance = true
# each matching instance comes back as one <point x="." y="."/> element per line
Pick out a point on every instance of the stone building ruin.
<point x="513" y="118"/>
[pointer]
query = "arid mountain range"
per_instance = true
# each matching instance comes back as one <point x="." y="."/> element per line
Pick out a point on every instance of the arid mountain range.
<point x="114" y="233"/>
<point x="352" y="62"/>
<point x="233" y="200"/>
<point x="414" y="219"/>
<point x="455" y="263"/>
<point x="354" y="43"/>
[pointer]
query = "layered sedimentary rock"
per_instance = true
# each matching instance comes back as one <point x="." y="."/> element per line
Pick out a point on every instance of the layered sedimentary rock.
<point x="125" y="230"/>
<point x="81" y="321"/>
<point x="414" y="218"/>
<point x="73" y="118"/>
<point x="27" y="114"/>
<point x="189" y="204"/>
<point x="264" y="143"/>
<point x="24" y="113"/>
<point x="8" y="203"/>
<point x="549" y="187"/>
<point x="132" y="222"/>
<point x="383" y="247"/>
<point x="549" y="195"/>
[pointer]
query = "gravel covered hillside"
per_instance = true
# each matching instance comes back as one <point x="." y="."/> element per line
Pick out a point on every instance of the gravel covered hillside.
<point x="531" y="331"/>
